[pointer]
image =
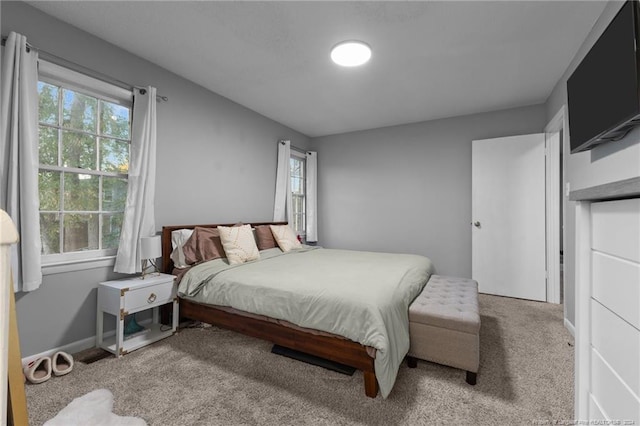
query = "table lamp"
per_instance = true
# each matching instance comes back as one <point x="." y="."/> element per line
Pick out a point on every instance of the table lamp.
<point x="150" y="250"/>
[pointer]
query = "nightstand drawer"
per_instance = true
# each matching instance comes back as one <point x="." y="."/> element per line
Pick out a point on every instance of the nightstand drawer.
<point x="143" y="298"/>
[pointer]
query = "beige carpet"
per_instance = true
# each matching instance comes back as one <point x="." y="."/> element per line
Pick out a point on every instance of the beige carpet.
<point x="217" y="377"/>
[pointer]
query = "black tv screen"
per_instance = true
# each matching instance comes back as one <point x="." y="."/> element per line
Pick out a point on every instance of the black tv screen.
<point x="603" y="90"/>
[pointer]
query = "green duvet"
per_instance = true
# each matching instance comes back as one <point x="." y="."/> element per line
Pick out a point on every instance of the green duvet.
<point x="362" y="296"/>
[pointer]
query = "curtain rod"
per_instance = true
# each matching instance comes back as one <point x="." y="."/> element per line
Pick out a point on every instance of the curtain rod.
<point x="295" y="148"/>
<point x="47" y="56"/>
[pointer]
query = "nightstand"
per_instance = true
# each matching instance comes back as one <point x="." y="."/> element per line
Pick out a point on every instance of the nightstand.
<point x="128" y="296"/>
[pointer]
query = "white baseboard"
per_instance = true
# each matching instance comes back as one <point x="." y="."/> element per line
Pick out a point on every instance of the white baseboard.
<point x="80" y="345"/>
<point x="71" y="348"/>
<point x="570" y="327"/>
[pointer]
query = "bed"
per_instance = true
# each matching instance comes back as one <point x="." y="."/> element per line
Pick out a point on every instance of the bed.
<point x="242" y="304"/>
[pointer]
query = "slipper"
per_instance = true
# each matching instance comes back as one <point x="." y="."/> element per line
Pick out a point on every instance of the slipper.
<point x="38" y="371"/>
<point x="62" y="363"/>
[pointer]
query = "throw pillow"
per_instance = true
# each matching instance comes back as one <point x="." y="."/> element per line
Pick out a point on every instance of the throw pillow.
<point x="265" y="237"/>
<point x="203" y="245"/>
<point x="285" y="237"/>
<point x="239" y="244"/>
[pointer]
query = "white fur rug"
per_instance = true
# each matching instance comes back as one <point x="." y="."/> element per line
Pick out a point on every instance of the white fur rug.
<point x="94" y="409"/>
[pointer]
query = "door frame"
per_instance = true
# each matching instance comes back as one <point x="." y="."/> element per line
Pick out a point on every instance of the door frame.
<point x="555" y="226"/>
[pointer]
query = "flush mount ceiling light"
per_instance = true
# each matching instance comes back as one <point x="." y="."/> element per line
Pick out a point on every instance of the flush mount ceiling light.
<point x="351" y="53"/>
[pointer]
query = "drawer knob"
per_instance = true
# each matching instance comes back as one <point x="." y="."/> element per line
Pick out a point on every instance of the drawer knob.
<point x="152" y="298"/>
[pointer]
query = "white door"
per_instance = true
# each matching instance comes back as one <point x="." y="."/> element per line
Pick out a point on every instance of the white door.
<point x="508" y="216"/>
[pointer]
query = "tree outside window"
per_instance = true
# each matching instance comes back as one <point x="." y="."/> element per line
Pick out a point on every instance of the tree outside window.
<point x="84" y="163"/>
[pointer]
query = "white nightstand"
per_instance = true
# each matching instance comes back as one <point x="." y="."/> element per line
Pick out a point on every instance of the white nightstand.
<point x="123" y="297"/>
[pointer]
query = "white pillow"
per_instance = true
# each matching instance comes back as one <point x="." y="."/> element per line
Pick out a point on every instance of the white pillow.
<point x="179" y="238"/>
<point x="239" y="244"/>
<point x="285" y="237"/>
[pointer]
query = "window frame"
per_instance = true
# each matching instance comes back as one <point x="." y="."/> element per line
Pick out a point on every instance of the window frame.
<point x="65" y="78"/>
<point x="300" y="156"/>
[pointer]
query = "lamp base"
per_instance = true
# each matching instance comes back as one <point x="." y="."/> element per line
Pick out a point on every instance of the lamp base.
<point x="145" y="266"/>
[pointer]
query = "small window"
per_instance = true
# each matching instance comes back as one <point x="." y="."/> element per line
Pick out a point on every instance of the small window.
<point x="84" y="164"/>
<point x="297" y="166"/>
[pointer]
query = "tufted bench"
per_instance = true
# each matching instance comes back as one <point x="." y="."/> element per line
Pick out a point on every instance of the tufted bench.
<point x="444" y="325"/>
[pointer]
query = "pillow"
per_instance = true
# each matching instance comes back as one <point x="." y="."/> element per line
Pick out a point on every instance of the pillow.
<point x="203" y="245"/>
<point x="178" y="238"/>
<point x="239" y="244"/>
<point x="286" y="238"/>
<point x="265" y="237"/>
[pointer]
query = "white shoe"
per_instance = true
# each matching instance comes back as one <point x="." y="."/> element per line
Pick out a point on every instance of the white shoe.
<point x="62" y="363"/>
<point x="38" y="371"/>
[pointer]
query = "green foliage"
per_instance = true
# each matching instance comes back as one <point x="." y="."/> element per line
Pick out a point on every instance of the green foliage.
<point x="48" y="146"/>
<point x="90" y="134"/>
<point x="111" y="226"/>
<point x="49" y="188"/>
<point x="50" y="232"/>
<point x="114" y="156"/>
<point x="114" y="194"/>
<point x="78" y="150"/>
<point x="79" y="111"/>
<point x="48" y="107"/>
<point x="80" y="232"/>
<point x="114" y="120"/>
<point x="81" y="192"/>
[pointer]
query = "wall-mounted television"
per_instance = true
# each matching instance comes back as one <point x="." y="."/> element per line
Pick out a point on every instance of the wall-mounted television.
<point x="604" y="90"/>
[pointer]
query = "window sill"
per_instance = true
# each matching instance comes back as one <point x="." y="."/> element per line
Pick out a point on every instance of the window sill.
<point x="77" y="265"/>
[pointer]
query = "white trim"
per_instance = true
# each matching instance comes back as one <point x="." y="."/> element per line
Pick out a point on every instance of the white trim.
<point x="78" y="265"/>
<point x="552" y="182"/>
<point x="583" y="310"/>
<point x="299" y="155"/>
<point x="570" y="327"/>
<point x="560" y="121"/>
<point x="71" y="348"/>
<point x="557" y="122"/>
<point x="48" y="71"/>
<point x="74" y="347"/>
<point x="554" y="194"/>
<point x="76" y="256"/>
<point x="85" y="259"/>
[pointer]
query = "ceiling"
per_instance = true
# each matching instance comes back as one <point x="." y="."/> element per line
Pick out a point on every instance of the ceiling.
<point x="430" y="59"/>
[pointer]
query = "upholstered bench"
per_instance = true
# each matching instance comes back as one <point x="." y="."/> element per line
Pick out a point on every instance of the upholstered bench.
<point x="444" y="325"/>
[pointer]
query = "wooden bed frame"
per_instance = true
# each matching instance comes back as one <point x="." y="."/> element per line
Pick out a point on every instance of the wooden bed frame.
<point x="335" y="349"/>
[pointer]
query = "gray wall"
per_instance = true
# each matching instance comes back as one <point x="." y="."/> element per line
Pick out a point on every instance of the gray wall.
<point x="606" y="163"/>
<point x="230" y="178"/>
<point x="408" y="188"/>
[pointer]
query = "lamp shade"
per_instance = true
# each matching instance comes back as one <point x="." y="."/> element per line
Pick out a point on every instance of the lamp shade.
<point x="150" y="247"/>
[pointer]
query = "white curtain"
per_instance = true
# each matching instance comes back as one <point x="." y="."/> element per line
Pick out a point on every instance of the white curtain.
<point x="283" y="200"/>
<point x="139" y="215"/>
<point x="19" y="157"/>
<point x="312" y="196"/>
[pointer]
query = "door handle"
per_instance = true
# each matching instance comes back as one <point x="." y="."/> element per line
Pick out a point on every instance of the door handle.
<point x="476" y="224"/>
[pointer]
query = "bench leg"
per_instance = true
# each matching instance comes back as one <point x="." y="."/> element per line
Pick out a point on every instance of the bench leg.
<point x="471" y="377"/>
<point x="411" y="362"/>
<point x="370" y="384"/>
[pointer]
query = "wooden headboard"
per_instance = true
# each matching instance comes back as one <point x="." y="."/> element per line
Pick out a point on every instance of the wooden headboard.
<point x="167" y="263"/>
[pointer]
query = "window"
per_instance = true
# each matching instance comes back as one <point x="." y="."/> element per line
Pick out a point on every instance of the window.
<point x="297" y="166"/>
<point x="84" y="141"/>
